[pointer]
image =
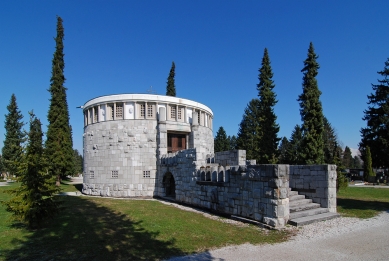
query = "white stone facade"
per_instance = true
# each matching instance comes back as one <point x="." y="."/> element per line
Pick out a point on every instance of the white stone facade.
<point x="125" y="135"/>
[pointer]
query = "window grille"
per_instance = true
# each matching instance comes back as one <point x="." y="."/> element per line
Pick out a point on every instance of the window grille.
<point x="119" y="111"/>
<point x="172" y="112"/>
<point x="198" y="117"/>
<point x="146" y="174"/>
<point x="91" y="174"/>
<point x="115" y="174"/>
<point x="179" y="113"/>
<point x="149" y="110"/>
<point x="142" y="110"/>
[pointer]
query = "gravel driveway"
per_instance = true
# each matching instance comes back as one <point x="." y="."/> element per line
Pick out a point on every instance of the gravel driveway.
<point x="336" y="239"/>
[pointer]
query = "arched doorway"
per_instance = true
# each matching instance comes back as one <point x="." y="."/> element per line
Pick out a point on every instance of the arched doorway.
<point x="170" y="185"/>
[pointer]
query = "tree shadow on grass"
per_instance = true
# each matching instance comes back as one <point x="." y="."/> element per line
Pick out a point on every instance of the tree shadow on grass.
<point x="362" y="204"/>
<point x="77" y="186"/>
<point x="86" y="231"/>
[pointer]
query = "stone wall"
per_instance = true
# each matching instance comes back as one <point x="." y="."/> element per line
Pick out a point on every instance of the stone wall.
<point x="255" y="192"/>
<point x="317" y="182"/>
<point x="119" y="158"/>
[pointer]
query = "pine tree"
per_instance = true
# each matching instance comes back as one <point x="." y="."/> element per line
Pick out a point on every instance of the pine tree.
<point x="171" y="87"/>
<point x="59" y="144"/>
<point x="376" y="134"/>
<point x="330" y="141"/>
<point x="78" y="162"/>
<point x="268" y="128"/>
<point x="341" y="179"/>
<point x="311" y="112"/>
<point x="232" y="141"/>
<point x="293" y="155"/>
<point x="283" y="151"/>
<point x="12" y="151"/>
<point x="221" y="142"/>
<point x="367" y="166"/>
<point x="357" y="162"/>
<point x="348" y="161"/>
<point x="249" y="130"/>
<point x="34" y="200"/>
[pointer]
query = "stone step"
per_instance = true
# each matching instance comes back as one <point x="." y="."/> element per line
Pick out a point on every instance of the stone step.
<point x="311" y="219"/>
<point x="292" y="192"/>
<point x="295" y="197"/>
<point x="302" y="201"/>
<point x="308" y="212"/>
<point x="303" y="207"/>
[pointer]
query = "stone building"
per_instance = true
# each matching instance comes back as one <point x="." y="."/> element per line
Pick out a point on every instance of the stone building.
<point x="140" y="145"/>
<point x="126" y="134"/>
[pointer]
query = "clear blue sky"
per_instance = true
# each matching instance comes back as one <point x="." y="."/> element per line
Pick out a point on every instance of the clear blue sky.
<point x="127" y="46"/>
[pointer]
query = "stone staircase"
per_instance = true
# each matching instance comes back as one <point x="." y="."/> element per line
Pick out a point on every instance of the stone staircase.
<point x="304" y="212"/>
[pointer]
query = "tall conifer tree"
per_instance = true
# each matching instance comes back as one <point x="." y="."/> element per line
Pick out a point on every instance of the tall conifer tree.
<point x="311" y="112"/>
<point x="249" y="130"/>
<point x="34" y="200"/>
<point x="171" y="87"/>
<point x="59" y="144"/>
<point x="367" y="166"/>
<point x="221" y="141"/>
<point x="14" y="137"/>
<point x="283" y="148"/>
<point x="330" y="141"/>
<point x="376" y="134"/>
<point x="268" y="128"/>
<point x="348" y="160"/>
<point x="293" y="155"/>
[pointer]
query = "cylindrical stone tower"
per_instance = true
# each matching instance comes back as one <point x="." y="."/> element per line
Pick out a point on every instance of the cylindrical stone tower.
<point x="126" y="134"/>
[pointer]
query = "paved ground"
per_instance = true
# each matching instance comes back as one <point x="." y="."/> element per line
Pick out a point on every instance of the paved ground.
<point x="368" y="241"/>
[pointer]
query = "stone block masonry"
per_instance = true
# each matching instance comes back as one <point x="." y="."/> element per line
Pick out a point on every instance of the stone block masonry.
<point x="317" y="182"/>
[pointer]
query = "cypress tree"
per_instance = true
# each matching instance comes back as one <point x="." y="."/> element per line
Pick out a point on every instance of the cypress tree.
<point x="34" y="199"/>
<point x="376" y="134"/>
<point x="59" y="145"/>
<point x="268" y="128"/>
<point x="221" y="142"/>
<point x="367" y="166"/>
<point x="249" y="130"/>
<point x="171" y="87"/>
<point x="12" y="150"/>
<point x="311" y="112"/>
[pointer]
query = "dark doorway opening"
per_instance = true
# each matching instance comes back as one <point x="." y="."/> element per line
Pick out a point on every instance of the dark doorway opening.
<point x="176" y="142"/>
<point x="170" y="185"/>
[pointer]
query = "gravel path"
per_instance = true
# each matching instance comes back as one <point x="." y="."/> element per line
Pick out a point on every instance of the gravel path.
<point x="336" y="239"/>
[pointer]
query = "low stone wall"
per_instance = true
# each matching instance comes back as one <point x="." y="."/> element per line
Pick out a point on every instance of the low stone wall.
<point x="317" y="182"/>
<point x="257" y="192"/>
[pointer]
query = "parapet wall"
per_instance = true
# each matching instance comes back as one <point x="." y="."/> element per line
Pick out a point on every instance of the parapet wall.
<point x="257" y="192"/>
<point x="317" y="182"/>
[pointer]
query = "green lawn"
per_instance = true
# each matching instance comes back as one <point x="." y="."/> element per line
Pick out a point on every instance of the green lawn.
<point x="94" y="228"/>
<point x="362" y="202"/>
<point x="91" y="228"/>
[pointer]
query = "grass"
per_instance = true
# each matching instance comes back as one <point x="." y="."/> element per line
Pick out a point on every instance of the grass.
<point x="362" y="202"/>
<point x="94" y="228"/>
<point x="91" y="228"/>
